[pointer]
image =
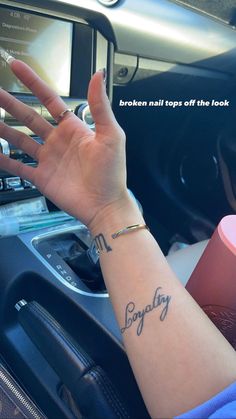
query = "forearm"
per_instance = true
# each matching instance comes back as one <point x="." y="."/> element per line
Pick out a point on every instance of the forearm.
<point x="178" y="357"/>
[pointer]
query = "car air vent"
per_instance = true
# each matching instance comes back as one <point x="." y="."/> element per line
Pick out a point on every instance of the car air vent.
<point x="108" y="2"/>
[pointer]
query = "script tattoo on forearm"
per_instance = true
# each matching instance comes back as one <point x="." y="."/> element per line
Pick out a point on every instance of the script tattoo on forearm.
<point x="101" y="243"/>
<point x="132" y="315"/>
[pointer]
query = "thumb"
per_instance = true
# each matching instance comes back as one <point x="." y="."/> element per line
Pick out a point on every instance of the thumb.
<point x="99" y="104"/>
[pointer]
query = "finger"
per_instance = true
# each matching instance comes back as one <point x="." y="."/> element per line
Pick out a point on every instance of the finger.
<point x="25" y="114"/>
<point x="20" y="140"/>
<point x="39" y="88"/>
<point x="99" y="104"/>
<point x="17" y="168"/>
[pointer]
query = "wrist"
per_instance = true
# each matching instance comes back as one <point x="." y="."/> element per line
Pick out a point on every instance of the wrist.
<point x="116" y="215"/>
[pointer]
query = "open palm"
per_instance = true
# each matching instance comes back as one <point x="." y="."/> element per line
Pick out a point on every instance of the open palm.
<point x="81" y="171"/>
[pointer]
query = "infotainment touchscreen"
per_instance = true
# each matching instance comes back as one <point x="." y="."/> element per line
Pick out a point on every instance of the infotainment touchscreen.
<point x="43" y="43"/>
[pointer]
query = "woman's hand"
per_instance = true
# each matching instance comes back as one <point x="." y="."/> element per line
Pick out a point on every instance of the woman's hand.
<point x="81" y="171"/>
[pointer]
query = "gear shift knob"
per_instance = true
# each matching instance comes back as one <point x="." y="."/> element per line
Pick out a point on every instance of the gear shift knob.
<point x="87" y="266"/>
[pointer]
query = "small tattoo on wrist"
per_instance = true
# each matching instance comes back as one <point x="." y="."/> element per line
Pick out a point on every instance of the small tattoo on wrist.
<point x="132" y="315"/>
<point x="101" y="243"/>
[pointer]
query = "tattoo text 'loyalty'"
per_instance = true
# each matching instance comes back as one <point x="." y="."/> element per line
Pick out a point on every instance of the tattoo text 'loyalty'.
<point x="132" y="315"/>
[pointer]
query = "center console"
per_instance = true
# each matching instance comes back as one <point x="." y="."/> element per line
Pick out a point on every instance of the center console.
<point x="40" y="274"/>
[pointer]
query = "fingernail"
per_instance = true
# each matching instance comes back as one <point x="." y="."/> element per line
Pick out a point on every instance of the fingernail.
<point x="104" y="72"/>
<point x="5" y="56"/>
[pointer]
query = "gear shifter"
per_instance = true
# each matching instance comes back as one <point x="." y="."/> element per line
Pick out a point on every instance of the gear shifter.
<point x="87" y="266"/>
<point x="73" y="247"/>
<point x="82" y="257"/>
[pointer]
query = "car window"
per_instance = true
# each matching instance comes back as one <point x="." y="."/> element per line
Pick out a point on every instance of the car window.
<point x="223" y="9"/>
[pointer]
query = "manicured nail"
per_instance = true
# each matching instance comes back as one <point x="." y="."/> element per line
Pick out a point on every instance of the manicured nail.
<point x="5" y="56"/>
<point x="104" y="72"/>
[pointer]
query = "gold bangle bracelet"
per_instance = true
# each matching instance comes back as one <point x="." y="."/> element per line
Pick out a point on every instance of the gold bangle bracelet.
<point x="129" y="229"/>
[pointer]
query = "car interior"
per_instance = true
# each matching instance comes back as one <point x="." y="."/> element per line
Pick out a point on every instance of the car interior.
<point x="171" y="68"/>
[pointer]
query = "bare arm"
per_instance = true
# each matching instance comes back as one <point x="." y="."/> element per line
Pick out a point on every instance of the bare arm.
<point x="178" y="356"/>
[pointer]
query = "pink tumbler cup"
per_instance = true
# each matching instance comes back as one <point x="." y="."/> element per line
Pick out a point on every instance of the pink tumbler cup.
<point x="213" y="281"/>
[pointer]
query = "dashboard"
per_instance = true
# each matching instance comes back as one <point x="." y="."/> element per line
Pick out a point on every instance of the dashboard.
<point x="67" y="41"/>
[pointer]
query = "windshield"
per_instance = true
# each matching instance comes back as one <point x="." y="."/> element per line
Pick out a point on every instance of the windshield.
<point x="223" y="9"/>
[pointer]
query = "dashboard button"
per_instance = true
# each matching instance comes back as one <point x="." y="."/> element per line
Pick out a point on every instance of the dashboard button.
<point x="108" y="2"/>
<point x="88" y="117"/>
<point x="4" y="147"/>
<point x="28" y="184"/>
<point x="2" y="114"/>
<point x="13" y="183"/>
